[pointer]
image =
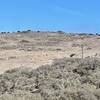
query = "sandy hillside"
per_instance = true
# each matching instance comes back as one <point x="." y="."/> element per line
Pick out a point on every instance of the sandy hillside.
<point x="33" y="49"/>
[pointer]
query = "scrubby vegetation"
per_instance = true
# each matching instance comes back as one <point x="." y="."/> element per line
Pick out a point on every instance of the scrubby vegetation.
<point x="65" y="79"/>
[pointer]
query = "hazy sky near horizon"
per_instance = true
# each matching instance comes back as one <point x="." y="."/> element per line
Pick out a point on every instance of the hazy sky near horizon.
<point x="50" y="15"/>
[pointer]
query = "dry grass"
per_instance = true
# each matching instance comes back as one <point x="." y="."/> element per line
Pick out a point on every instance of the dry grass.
<point x="21" y="97"/>
<point x="65" y="79"/>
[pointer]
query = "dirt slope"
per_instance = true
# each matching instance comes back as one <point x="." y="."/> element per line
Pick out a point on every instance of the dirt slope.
<point x="33" y="49"/>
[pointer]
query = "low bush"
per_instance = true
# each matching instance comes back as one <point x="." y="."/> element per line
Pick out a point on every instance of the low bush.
<point x="65" y="79"/>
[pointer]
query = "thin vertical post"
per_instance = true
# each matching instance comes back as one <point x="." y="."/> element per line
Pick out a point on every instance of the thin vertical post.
<point x="82" y="47"/>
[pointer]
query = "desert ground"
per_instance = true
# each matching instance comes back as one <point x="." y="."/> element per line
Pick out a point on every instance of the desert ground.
<point x="33" y="49"/>
<point x="49" y="66"/>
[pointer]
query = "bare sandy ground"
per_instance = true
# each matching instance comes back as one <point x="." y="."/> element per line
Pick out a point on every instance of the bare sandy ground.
<point x="17" y="53"/>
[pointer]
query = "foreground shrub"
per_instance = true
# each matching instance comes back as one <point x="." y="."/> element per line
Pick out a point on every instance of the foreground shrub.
<point x="65" y="79"/>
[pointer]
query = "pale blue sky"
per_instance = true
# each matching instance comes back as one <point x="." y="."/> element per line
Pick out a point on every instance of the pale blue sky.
<point x="50" y="15"/>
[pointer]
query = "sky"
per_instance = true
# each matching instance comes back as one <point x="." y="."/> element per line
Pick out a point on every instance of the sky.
<point x="50" y="15"/>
